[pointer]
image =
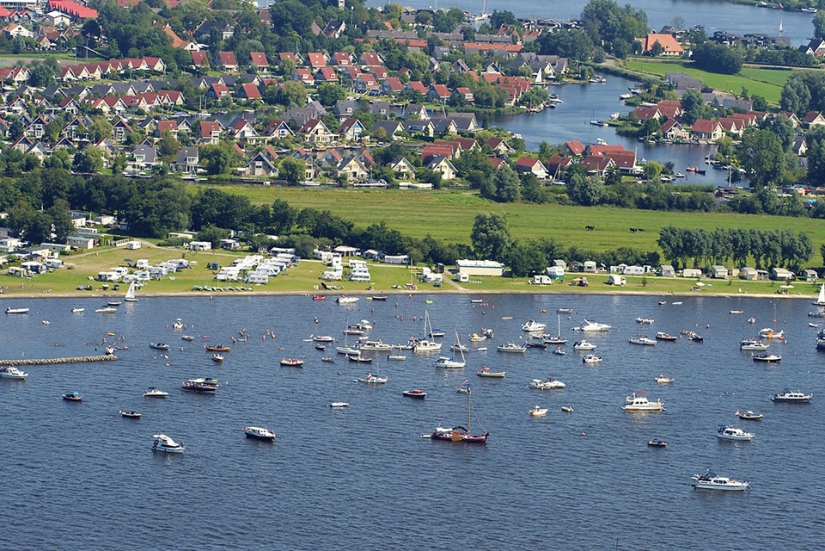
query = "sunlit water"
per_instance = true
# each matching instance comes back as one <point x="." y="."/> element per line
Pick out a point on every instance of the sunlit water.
<point x="80" y="476"/>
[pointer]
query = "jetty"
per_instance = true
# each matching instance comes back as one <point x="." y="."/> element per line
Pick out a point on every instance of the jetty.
<point x="58" y="361"/>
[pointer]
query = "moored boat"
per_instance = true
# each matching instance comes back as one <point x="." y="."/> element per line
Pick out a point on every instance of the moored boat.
<point x="292" y="362"/>
<point x="792" y="396"/>
<point x="583" y="345"/>
<point x="339" y="405"/>
<point x="159" y="345"/>
<point x="638" y="402"/>
<point x="371" y="379"/>
<point x="592" y="326"/>
<point x="415" y="393"/>
<point x="487" y="372"/>
<point x="591" y="359"/>
<point x="549" y="384"/>
<point x="662" y="380"/>
<point x="129" y="414"/>
<point x="533" y="326"/>
<point x="217" y="348"/>
<point x="259" y="433"/>
<point x="662" y="336"/>
<point x="153" y="392"/>
<point x="536" y="411"/>
<point x="17" y="310"/>
<point x="217" y="358"/>
<point x="726" y="432"/>
<point x="11" y="372"/>
<point x="749" y="415"/>
<point x="656" y="443"/>
<point x="106" y="310"/>
<point x="200" y="385"/>
<point x="511" y="348"/>
<point x="642" y="340"/>
<point x="165" y="444"/>
<point x="72" y="397"/>
<point x="767" y="358"/>
<point x="460" y="433"/>
<point x="710" y="481"/>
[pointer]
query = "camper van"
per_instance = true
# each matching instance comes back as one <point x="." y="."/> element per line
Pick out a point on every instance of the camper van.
<point x="616" y="279"/>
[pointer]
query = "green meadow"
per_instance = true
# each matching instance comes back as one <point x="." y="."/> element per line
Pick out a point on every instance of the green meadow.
<point x="764" y="82"/>
<point x="448" y="215"/>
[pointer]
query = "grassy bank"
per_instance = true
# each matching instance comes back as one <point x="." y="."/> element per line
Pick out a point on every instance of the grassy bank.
<point x="767" y="83"/>
<point x="449" y="215"/>
<point x="304" y="279"/>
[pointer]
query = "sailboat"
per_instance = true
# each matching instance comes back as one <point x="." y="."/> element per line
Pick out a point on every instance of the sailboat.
<point x="557" y="339"/>
<point x="459" y="433"/>
<point x="346" y="349"/>
<point x="130" y="294"/>
<point x="424" y="345"/>
<point x="452" y="362"/>
<point x="820" y="301"/>
<point x="771" y="332"/>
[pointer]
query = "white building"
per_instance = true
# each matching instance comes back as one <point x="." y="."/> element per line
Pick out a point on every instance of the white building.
<point x="480" y="267"/>
<point x="200" y="246"/>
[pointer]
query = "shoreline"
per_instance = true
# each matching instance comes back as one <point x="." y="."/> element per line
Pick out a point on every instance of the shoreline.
<point x="400" y="292"/>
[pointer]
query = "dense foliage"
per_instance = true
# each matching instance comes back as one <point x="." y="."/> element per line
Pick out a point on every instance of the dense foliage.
<point x="717" y="58"/>
<point x="688" y="247"/>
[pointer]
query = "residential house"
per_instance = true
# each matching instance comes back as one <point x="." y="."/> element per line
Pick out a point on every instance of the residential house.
<point x="391" y="128"/>
<point x="438" y="92"/>
<point x="326" y="74"/>
<point x="316" y="60"/>
<point x="262" y="164"/>
<point x="121" y="131"/>
<point x="315" y="131"/>
<point x="465" y="93"/>
<point x="812" y="119"/>
<point x="366" y="82"/>
<point x="353" y="169"/>
<point x="647" y="113"/>
<point x="670" y="47"/>
<point x="227" y="61"/>
<point x="392" y="86"/>
<point x="258" y="61"/>
<point x="402" y="167"/>
<point x="218" y="91"/>
<point x="248" y="92"/>
<point x="597" y="164"/>
<point x="242" y="130"/>
<point x="304" y="76"/>
<point x="187" y="160"/>
<point x="709" y="130"/>
<point x="443" y="166"/>
<point x="574" y="148"/>
<point x="341" y="59"/>
<point x="800" y="146"/>
<point x="144" y="157"/>
<point x="673" y="130"/>
<point x="816" y="47"/>
<point x="278" y="129"/>
<point x="531" y="166"/>
<point x="211" y="132"/>
<point x="350" y="129"/>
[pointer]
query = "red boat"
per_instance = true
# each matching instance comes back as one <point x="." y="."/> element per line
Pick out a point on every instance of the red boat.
<point x="319" y="297"/>
<point x="459" y="433"/>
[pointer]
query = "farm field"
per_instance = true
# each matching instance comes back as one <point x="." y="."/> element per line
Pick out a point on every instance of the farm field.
<point x="449" y="215"/>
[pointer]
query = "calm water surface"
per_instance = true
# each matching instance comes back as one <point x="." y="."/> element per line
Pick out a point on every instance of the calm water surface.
<point x="78" y="475"/>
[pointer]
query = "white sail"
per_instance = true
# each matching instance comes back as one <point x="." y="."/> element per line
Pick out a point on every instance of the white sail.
<point x="130" y="294"/>
<point x="821" y="298"/>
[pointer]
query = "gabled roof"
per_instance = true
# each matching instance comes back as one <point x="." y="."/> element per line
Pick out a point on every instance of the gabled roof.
<point x="200" y="59"/>
<point x="665" y="40"/>
<point x="575" y="147"/>
<point x="227" y="59"/>
<point x="258" y="59"/>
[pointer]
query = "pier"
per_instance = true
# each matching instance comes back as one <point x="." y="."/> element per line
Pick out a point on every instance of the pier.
<point x="58" y="361"/>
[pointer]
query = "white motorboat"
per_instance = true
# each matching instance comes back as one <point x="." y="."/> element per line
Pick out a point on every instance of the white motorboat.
<point x="512" y="348"/>
<point x="348" y="350"/>
<point x="549" y="384"/>
<point x="323" y="338"/>
<point x="593" y="326"/>
<point x="396" y="357"/>
<point x="343" y="299"/>
<point x="536" y="411"/>
<point x="533" y="326"/>
<point x="710" y="481"/>
<point x="339" y="405"/>
<point x="644" y="321"/>
<point x="153" y="392"/>
<point x="166" y="445"/>
<point x="662" y="380"/>
<point x="753" y="345"/>
<point x="642" y="340"/>
<point x="749" y="415"/>
<point x="487" y="372"/>
<point x="375" y="346"/>
<point x="727" y="432"/>
<point x="638" y="402"/>
<point x="592" y="359"/>
<point x="769" y="333"/>
<point x="78" y="310"/>
<point x="17" y="310"/>
<point x="792" y="396"/>
<point x="583" y="345"/>
<point x="371" y="379"/>
<point x="11" y="372"/>
<point x="259" y="433"/>
<point x="559" y="351"/>
<point x="106" y="310"/>
<point x="767" y="358"/>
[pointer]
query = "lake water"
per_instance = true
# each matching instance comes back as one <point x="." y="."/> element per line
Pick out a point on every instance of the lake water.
<point x="79" y="476"/>
<point x="712" y="14"/>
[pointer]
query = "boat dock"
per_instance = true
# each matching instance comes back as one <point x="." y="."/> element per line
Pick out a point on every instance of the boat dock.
<point x="58" y="361"/>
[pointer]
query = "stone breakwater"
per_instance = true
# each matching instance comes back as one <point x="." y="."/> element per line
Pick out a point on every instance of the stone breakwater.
<point x="58" y="361"/>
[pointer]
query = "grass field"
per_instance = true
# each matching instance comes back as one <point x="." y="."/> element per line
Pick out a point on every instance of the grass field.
<point x="767" y="83"/>
<point x="449" y="216"/>
<point x="304" y="279"/>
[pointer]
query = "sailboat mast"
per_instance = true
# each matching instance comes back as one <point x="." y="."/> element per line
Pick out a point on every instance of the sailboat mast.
<point x="468" y="411"/>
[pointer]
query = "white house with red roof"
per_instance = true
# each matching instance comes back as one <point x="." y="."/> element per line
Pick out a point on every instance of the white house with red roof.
<point x="708" y="130"/>
<point x="532" y="166"/>
<point x="227" y="61"/>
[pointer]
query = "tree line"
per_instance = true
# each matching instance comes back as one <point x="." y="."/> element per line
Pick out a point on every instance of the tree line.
<point x="689" y="247"/>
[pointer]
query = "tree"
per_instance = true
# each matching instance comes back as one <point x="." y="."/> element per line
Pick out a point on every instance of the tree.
<point x="762" y="157"/>
<point x="61" y="220"/>
<point x="717" y="58"/>
<point x="291" y="16"/>
<point x="292" y="94"/>
<point x="218" y="158"/>
<point x="506" y="183"/>
<point x="819" y="24"/>
<point x="583" y="190"/>
<point x="88" y="161"/>
<point x="572" y="43"/>
<point x="329" y="94"/>
<point x="282" y="216"/>
<point x="292" y="170"/>
<point x="490" y="236"/>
